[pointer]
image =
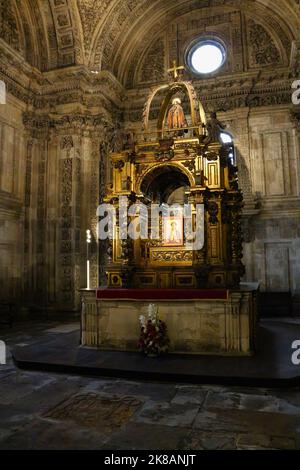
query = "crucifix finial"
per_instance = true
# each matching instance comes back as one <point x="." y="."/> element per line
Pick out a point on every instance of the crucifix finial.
<point x="176" y="69"/>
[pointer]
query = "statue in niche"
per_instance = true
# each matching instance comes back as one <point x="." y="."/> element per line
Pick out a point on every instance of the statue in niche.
<point x="176" y="118"/>
<point x="214" y="129"/>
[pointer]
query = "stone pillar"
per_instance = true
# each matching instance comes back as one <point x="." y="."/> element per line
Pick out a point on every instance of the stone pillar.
<point x="41" y="228"/>
<point x="35" y="249"/>
<point x="90" y="200"/>
<point x="52" y="217"/>
<point x="80" y="176"/>
<point x="70" y="177"/>
<point x="89" y="319"/>
<point x="28" y="263"/>
<point x="295" y="115"/>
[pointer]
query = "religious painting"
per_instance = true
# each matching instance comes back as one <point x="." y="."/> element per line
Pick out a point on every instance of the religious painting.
<point x="173" y="231"/>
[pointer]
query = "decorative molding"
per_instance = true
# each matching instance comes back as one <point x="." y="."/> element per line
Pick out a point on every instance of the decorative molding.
<point x="171" y="256"/>
<point x="66" y="280"/>
<point x="295" y="57"/>
<point x="9" y="29"/>
<point x="91" y="12"/>
<point x="262" y="49"/>
<point x="113" y="35"/>
<point x="67" y="30"/>
<point x="153" y="67"/>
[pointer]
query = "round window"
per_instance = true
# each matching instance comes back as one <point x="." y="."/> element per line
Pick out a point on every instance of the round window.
<point x="206" y="56"/>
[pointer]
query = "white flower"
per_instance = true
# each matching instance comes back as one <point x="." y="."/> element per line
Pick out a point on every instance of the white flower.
<point x="153" y="313"/>
<point x="152" y="310"/>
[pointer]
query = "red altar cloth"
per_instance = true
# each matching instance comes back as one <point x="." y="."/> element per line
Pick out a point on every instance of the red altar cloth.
<point x="161" y="294"/>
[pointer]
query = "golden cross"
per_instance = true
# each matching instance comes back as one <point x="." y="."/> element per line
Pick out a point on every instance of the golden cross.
<point x="175" y="69"/>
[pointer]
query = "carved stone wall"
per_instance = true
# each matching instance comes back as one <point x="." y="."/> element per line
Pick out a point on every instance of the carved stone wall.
<point x="113" y="34"/>
<point x="251" y="43"/>
<point x="153" y="67"/>
<point x="9" y="28"/>
<point x="12" y="195"/>
<point x="262" y="49"/>
<point x="274" y="170"/>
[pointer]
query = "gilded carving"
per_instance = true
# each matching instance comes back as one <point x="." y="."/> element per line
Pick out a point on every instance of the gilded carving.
<point x="172" y="256"/>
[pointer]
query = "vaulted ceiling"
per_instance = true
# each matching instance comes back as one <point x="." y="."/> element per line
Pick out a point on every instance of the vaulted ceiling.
<point x="113" y="34"/>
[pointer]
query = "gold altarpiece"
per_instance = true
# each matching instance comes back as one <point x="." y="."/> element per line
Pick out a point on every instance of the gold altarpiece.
<point x="157" y="163"/>
<point x="198" y="292"/>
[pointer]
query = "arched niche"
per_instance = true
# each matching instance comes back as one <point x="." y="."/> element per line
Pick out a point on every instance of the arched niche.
<point x="171" y="90"/>
<point x="162" y="181"/>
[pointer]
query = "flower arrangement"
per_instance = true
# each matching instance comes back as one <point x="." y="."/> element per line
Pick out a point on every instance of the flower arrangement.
<point x="154" y="339"/>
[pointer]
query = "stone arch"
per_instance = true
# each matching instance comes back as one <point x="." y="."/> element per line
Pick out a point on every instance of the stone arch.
<point x="11" y="30"/>
<point x="48" y="35"/>
<point x="182" y="86"/>
<point x="129" y="44"/>
<point x="114" y="35"/>
<point x="67" y="28"/>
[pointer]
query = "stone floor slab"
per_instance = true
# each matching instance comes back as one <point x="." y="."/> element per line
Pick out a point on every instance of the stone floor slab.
<point x="62" y="411"/>
<point x="168" y="414"/>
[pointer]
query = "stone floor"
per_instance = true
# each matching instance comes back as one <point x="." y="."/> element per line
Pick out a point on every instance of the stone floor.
<point x="52" y="411"/>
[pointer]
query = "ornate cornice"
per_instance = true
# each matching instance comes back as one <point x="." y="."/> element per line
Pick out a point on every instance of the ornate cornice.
<point x="47" y="125"/>
<point x="48" y="90"/>
<point x="235" y="92"/>
<point x="76" y="85"/>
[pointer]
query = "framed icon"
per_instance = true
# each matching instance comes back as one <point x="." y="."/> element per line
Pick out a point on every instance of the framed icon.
<point x="173" y="231"/>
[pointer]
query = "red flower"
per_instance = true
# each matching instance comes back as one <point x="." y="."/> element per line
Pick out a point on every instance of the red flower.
<point x="154" y="338"/>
